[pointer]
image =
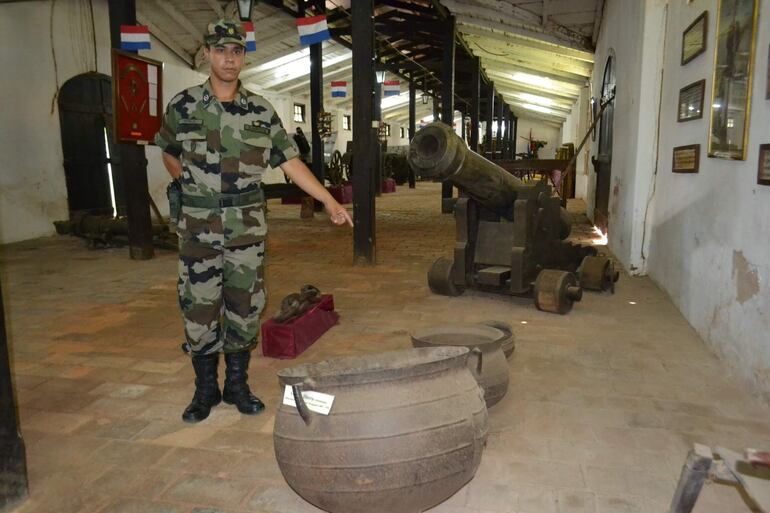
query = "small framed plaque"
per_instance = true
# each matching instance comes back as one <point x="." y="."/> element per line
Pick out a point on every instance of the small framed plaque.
<point x="691" y="101"/>
<point x="686" y="159"/>
<point x="694" y="38"/>
<point x="137" y="102"/>
<point x="763" y="174"/>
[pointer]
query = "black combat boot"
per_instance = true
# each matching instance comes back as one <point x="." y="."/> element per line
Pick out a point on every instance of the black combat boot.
<point x="207" y="394"/>
<point x="236" y="384"/>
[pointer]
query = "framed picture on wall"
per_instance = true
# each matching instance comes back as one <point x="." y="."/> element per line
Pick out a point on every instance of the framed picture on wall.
<point x="686" y="159"/>
<point x="763" y="173"/>
<point x="694" y="38"/>
<point x="731" y="96"/>
<point x="137" y="100"/>
<point x="691" y="101"/>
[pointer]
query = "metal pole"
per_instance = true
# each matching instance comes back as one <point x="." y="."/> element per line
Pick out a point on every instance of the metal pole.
<point x="316" y="100"/>
<point x="447" y="101"/>
<point x="129" y="160"/>
<point x="475" y="94"/>
<point x="490" y="113"/>
<point x="412" y="122"/>
<point x="364" y="143"/>
<point x="499" y="145"/>
<point x="13" y="463"/>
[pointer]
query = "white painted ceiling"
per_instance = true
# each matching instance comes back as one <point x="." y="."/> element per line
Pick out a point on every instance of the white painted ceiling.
<point x="538" y="52"/>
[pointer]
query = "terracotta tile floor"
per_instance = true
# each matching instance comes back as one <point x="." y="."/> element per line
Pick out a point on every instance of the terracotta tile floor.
<point x="602" y="408"/>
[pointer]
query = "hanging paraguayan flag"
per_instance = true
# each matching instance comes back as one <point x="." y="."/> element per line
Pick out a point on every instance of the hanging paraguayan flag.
<point x="251" y="42"/>
<point x="313" y="29"/>
<point x="134" y="37"/>
<point x="391" y="88"/>
<point x="339" y="89"/>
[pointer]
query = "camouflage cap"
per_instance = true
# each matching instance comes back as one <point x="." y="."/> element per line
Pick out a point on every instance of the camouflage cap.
<point x="223" y="31"/>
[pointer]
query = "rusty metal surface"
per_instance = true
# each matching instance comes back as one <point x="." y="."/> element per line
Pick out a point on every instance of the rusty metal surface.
<point x="508" y="342"/>
<point x="491" y="367"/>
<point x="405" y="432"/>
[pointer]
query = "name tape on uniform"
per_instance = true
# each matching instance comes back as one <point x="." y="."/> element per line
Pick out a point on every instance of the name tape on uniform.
<point x="316" y="401"/>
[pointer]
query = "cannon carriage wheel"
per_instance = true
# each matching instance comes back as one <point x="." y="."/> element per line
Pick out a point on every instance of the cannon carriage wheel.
<point x="440" y="278"/>
<point x="598" y="273"/>
<point x="556" y="291"/>
<point x="334" y="169"/>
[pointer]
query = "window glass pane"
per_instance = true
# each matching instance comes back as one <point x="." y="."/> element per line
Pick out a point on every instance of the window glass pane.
<point x="299" y="113"/>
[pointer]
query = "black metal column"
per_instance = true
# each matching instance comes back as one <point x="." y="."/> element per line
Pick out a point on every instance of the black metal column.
<point x="447" y="101"/>
<point x="128" y="159"/>
<point x="364" y="142"/>
<point x="474" y="110"/>
<point x="499" y="145"/>
<point x="514" y="133"/>
<point x="13" y="463"/>
<point x="316" y="97"/>
<point x="412" y="122"/>
<point x="507" y="125"/>
<point x="376" y="120"/>
<point x="489" y="115"/>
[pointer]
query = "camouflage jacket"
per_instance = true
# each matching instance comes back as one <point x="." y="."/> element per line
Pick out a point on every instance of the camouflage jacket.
<point x="224" y="149"/>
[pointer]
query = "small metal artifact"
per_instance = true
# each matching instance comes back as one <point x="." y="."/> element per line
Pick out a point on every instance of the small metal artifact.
<point x="294" y="305"/>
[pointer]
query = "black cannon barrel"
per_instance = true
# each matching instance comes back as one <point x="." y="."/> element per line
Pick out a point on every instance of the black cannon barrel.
<point x="437" y="152"/>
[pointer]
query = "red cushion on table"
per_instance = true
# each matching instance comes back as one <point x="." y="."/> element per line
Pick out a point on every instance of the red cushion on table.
<point x="342" y="193"/>
<point x="289" y="340"/>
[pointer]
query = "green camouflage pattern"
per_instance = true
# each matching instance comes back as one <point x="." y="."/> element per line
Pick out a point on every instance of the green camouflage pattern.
<point x="221" y="294"/>
<point x="223" y="31"/>
<point x="224" y="149"/>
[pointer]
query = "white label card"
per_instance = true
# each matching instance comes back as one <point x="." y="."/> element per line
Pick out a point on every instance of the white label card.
<point x="316" y="401"/>
<point x="152" y="74"/>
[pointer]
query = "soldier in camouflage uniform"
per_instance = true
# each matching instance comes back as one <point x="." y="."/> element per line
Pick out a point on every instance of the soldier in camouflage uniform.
<point x="217" y="141"/>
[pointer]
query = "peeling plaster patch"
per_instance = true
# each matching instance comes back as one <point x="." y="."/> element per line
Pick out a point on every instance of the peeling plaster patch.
<point x="745" y="276"/>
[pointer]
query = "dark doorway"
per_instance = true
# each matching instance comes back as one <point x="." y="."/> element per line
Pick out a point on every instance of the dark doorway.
<point x="603" y="163"/>
<point x="85" y="117"/>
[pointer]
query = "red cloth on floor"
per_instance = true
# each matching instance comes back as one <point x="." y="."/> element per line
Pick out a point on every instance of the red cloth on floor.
<point x="289" y="340"/>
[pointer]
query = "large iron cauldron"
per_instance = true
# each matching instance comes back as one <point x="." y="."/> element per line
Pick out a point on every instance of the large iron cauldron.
<point x="489" y="366"/>
<point x="405" y="432"/>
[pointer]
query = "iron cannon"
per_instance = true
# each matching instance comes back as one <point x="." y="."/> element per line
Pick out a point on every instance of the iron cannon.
<point x="511" y="235"/>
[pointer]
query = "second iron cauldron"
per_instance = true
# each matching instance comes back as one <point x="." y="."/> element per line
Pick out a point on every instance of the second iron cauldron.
<point x="489" y="366"/>
<point x="406" y="431"/>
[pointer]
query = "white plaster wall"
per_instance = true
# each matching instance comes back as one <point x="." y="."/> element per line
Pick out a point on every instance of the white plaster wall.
<point x="540" y="130"/>
<point x="709" y="247"/>
<point x="32" y="187"/>
<point x="572" y="131"/>
<point x="33" y="193"/>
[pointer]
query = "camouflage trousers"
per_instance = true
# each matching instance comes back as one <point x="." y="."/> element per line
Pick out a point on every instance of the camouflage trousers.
<point x="221" y="294"/>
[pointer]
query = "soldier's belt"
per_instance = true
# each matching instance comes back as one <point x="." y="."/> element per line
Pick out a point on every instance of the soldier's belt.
<point x="223" y="200"/>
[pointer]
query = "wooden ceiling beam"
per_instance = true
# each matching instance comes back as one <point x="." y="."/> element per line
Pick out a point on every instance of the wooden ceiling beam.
<point x="503" y="78"/>
<point x="468" y="25"/>
<point x="164" y="38"/>
<point x="513" y="66"/>
<point x="509" y="18"/>
<point x="486" y="44"/>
